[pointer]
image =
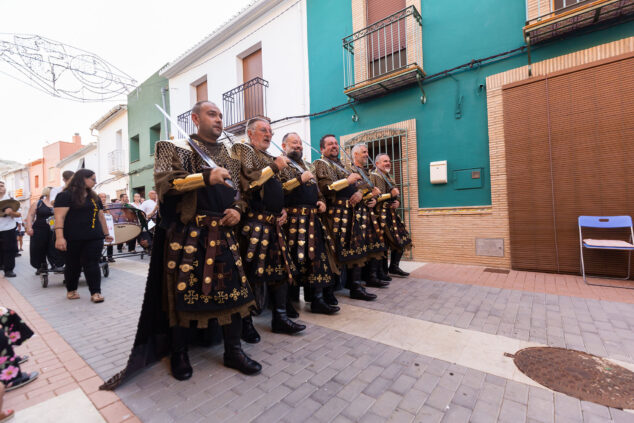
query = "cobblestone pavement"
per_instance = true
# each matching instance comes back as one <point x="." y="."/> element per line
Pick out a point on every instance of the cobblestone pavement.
<point x="326" y="375"/>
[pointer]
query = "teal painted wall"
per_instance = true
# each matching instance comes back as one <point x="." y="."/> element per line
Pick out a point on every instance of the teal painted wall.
<point x="454" y="32"/>
<point x="143" y="116"/>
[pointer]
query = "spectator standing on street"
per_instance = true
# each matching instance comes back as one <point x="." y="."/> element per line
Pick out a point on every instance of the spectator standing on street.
<point x="20" y="232"/>
<point x="125" y="200"/>
<point x="42" y="245"/>
<point x="80" y="227"/>
<point x="66" y="177"/>
<point x="8" y="237"/>
<point x="150" y="206"/>
<point x="137" y="200"/>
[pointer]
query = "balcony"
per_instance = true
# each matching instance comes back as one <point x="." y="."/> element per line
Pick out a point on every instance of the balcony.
<point x="244" y="102"/>
<point x="115" y="162"/>
<point x="548" y="20"/>
<point x="384" y="56"/>
<point x="185" y="121"/>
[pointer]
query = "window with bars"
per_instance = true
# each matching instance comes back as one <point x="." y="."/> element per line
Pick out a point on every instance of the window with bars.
<point x="562" y="5"/>
<point x="391" y="142"/>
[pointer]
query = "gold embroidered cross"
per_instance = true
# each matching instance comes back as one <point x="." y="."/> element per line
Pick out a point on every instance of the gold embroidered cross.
<point x="221" y="297"/>
<point x="191" y="297"/>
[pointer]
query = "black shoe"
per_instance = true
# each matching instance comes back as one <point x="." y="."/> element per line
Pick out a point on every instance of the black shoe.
<point x="398" y="272"/>
<point x="22" y="359"/>
<point x="319" y="306"/>
<point x="357" y="292"/>
<point x="329" y="296"/>
<point x="290" y="310"/>
<point x="282" y="324"/>
<point x="237" y="359"/>
<point x="249" y="334"/>
<point x="181" y="369"/>
<point x="9" y="274"/>
<point x="381" y="274"/>
<point x="111" y="260"/>
<point x="58" y="269"/>
<point x="376" y="283"/>
<point x="18" y="255"/>
<point x="22" y="380"/>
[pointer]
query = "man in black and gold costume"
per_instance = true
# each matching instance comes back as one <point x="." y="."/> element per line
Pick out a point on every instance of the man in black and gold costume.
<point x="196" y="274"/>
<point x="345" y="225"/>
<point x="397" y="237"/>
<point x="374" y="234"/>
<point x="267" y="263"/>
<point x="309" y="243"/>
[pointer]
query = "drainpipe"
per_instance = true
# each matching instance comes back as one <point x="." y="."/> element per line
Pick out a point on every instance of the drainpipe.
<point x="167" y="132"/>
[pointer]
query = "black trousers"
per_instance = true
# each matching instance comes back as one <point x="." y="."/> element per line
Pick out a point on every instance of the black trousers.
<point x="42" y="246"/>
<point x="83" y="255"/>
<point x="8" y="249"/>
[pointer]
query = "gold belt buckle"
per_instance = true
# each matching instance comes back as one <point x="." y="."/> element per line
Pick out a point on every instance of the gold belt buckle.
<point x="270" y="219"/>
<point x="304" y="211"/>
<point x="198" y="219"/>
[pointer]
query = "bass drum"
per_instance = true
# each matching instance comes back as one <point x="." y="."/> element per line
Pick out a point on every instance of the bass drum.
<point x="126" y="222"/>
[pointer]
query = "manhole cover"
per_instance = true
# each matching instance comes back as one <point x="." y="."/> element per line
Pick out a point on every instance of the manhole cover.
<point x="578" y="374"/>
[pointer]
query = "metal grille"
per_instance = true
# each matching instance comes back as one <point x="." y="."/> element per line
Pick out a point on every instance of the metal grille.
<point x="392" y="142"/>
<point x="384" y="47"/>
<point x="185" y="122"/>
<point x="244" y="102"/>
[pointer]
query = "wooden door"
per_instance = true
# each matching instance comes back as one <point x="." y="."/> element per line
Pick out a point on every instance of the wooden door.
<point x="253" y="93"/>
<point x="201" y="92"/>
<point x="385" y="45"/>
<point x="569" y="151"/>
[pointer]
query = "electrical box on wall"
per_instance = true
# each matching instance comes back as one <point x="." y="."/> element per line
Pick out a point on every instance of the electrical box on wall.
<point x="438" y="172"/>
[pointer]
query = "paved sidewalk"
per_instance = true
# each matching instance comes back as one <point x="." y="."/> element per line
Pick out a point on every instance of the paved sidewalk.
<point x="339" y="370"/>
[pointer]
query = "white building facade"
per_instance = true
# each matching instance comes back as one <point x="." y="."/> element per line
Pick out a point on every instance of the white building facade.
<point x="113" y="152"/>
<point x="17" y="183"/>
<point x="254" y="65"/>
<point x="86" y="158"/>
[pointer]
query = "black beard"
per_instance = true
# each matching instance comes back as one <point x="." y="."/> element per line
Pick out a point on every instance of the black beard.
<point x="294" y="155"/>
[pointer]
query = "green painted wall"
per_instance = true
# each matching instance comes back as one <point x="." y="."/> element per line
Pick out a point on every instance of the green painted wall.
<point x="144" y="120"/>
<point x="454" y="32"/>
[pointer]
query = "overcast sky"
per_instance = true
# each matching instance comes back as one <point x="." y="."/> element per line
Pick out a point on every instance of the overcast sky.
<point x="137" y="36"/>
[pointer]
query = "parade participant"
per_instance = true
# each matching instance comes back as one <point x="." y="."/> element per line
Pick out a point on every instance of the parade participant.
<point x="42" y="243"/>
<point x="345" y="225"/>
<point x="196" y="274"/>
<point x="109" y="248"/>
<point x="13" y="332"/>
<point x="66" y="177"/>
<point x="80" y="229"/>
<point x="308" y="242"/>
<point x="264" y="249"/>
<point x="374" y="236"/>
<point x="137" y="201"/>
<point x="8" y="238"/>
<point x="396" y="235"/>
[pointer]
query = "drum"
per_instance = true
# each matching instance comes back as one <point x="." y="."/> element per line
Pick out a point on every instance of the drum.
<point x="127" y="225"/>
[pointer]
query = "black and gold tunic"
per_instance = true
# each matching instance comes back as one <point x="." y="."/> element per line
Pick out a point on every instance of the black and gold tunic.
<point x="309" y="244"/>
<point x="374" y="239"/>
<point x="203" y="275"/>
<point x="264" y="245"/>
<point x="343" y="222"/>
<point x="394" y="230"/>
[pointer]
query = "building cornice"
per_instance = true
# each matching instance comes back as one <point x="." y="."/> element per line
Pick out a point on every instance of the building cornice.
<point x="79" y="153"/>
<point x="111" y="114"/>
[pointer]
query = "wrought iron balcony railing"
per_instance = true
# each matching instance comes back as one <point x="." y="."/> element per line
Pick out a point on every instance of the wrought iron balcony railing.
<point x="116" y="165"/>
<point x="244" y="102"/>
<point x="549" y="20"/>
<point x="385" y="55"/>
<point x="185" y="121"/>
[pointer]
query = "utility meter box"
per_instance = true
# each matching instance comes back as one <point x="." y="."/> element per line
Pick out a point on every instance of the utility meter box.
<point x="438" y="172"/>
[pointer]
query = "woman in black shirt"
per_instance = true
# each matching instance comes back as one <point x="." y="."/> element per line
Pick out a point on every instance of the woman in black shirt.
<point x="80" y="227"/>
<point x="42" y="244"/>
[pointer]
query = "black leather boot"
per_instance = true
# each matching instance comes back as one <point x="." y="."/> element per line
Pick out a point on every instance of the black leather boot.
<point x="318" y="305"/>
<point x="249" y="334"/>
<point x="179" y="359"/>
<point x="281" y="323"/>
<point x="381" y="271"/>
<point x="394" y="269"/>
<point x="293" y="295"/>
<point x="329" y="295"/>
<point x="357" y="292"/>
<point x="234" y="357"/>
<point x="372" y="278"/>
